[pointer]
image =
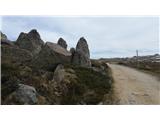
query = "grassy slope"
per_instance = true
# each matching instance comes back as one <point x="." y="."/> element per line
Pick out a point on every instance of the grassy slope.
<point x="89" y="87"/>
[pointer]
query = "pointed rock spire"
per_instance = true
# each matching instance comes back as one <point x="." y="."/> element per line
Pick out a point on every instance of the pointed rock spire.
<point x="62" y="43"/>
<point x="30" y="41"/>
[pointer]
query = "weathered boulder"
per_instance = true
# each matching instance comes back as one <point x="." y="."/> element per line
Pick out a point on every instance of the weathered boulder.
<point x="62" y="43"/>
<point x="25" y="94"/>
<point x="81" y="56"/>
<point x="30" y="41"/>
<point x="59" y="73"/>
<point x="51" y="55"/>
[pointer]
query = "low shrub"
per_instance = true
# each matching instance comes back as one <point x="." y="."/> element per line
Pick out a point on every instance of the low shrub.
<point x="87" y="80"/>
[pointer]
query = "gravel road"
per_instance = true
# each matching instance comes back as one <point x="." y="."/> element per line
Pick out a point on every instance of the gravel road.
<point x="132" y="86"/>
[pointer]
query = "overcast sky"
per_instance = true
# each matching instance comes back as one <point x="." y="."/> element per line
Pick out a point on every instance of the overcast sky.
<point x="106" y="36"/>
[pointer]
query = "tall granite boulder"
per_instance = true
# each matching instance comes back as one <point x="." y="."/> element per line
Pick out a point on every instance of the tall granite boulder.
<point x="62" y="43"/>
<point x="51" y="55"/>
<point x="30" y="41"/>
<point x="81" y="56"/>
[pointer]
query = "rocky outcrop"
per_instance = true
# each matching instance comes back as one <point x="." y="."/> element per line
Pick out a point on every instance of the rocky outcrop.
<point x="62" y="43"/>
<point x="14" y="54"/>
<point x="11" y="53"/>
<point x="30" y="41"/>
<point x="81" y="56"/>
<point x="38" y="73"/>
<point x="51" y="55"/>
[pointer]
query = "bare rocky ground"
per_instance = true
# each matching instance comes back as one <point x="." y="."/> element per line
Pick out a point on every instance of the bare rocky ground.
<point x="132" y="86"/>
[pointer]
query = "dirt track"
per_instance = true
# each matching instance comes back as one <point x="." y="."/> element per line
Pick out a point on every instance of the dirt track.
<point x="134" y="87"/>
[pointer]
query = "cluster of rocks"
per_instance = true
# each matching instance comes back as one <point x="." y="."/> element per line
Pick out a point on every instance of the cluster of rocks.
<point x="52" y="54"/>
<point x="29" y="49"/>
<point x="47" y="55"/>
<point x="38" y="72"/>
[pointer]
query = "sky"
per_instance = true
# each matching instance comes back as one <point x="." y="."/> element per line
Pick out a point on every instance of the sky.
<point x="107" y="36"/>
